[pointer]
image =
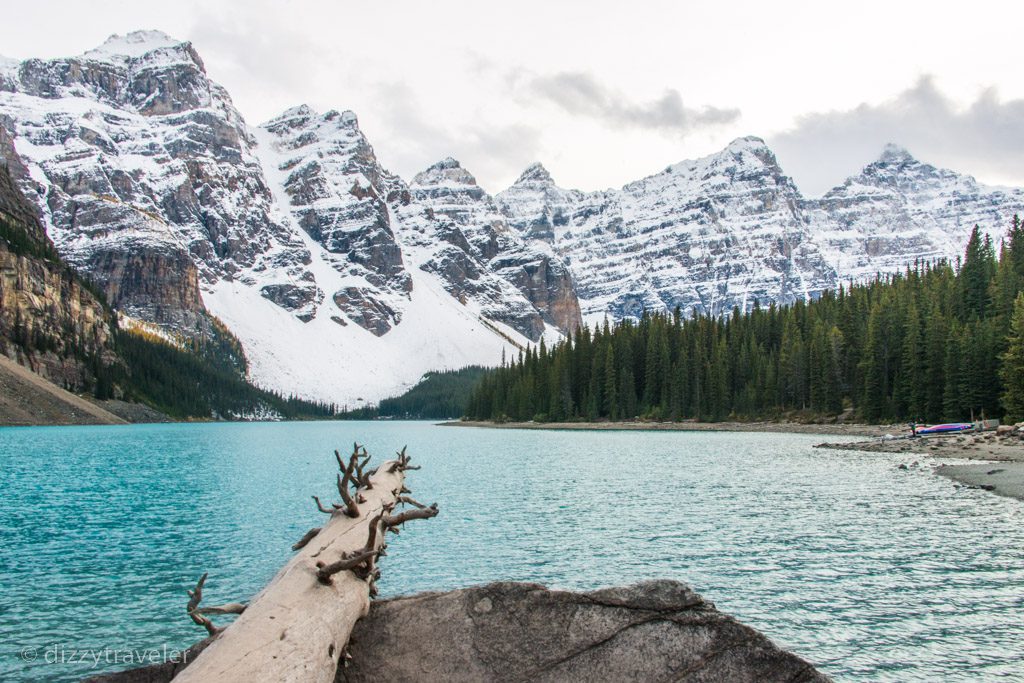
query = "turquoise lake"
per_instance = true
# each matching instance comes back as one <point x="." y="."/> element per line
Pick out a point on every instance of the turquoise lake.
<point x="871" y="573"/>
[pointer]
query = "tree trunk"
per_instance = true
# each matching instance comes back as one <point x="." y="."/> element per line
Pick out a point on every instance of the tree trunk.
<point x="297" y="628"/>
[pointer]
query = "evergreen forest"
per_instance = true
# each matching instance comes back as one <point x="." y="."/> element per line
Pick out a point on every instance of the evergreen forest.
<point x="937" y="342"/>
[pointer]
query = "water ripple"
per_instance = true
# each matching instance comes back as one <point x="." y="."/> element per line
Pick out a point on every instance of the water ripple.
<point x="870" y="573"/>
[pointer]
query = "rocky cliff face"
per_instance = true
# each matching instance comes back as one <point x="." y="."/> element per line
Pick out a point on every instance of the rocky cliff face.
<point x="49" y="321"/>
<point x="703" y="235"/>
<point x="898" y="210"/>
<point x="470" y="246"/>
<point x="732" y="228"/>
<point x="149" y="181"/>
<point x="331" y="185"/>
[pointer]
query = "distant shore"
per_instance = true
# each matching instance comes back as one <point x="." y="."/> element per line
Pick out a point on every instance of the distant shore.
<point x="840" y="429"/>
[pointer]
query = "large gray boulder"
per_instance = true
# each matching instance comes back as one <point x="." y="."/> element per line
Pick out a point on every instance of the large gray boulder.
<point x="652" y="631"/>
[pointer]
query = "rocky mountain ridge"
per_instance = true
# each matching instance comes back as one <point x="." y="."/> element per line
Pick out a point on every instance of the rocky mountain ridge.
<point x="150" y="182"/>
<point x="725" y="230"/>
<point x="345" y="283"/>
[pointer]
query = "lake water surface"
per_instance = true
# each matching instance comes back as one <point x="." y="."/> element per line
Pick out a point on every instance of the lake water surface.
<point x="872" y="574"/>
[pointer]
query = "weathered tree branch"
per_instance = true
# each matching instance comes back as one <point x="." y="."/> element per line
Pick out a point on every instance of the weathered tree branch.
<point x="365" y="480"/>
<point x="345" y="479"/>
<point x="411" y="501"/>
<point x="306" y="538"/>
<point x="392" y="522"/>
<point x="321" y="508"/>
<point x="226" y="608"/>
<point x="324" y="572"/>
<point x="195" y="596"/>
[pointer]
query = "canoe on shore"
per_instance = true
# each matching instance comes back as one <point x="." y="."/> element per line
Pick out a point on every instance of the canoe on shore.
<point x="947" y="428"/>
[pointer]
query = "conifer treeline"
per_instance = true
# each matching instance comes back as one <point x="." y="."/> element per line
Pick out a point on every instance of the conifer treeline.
<point x="934" y="343"/>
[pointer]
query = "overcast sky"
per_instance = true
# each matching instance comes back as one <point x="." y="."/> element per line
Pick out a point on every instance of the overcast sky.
<point x="602" y="92"/>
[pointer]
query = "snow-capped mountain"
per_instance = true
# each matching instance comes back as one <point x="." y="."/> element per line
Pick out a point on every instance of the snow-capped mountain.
<point x="731" y="228"/>
<point x="456" y="224"/>
<point x="898" y="209"/>
<point x="151" y="183"/>
<point x="707" y="234"/>
<point x="345" y="283"/>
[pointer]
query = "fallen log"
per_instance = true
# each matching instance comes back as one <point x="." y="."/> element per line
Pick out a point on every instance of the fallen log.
<point x="297" y="628"/>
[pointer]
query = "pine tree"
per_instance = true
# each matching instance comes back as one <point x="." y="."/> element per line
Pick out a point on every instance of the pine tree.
<point x="611" y="389"/>
<point x="910" y="399"/>
<point x="1012" y="372"/>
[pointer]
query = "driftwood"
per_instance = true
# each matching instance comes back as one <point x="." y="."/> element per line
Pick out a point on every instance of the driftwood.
<point x="297" y="628"/>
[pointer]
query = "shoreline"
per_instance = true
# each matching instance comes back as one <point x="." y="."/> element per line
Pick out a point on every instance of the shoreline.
<point x="776" y="427"/>
<point x="1000" y="456"/>
<point x="1001" y="478"/>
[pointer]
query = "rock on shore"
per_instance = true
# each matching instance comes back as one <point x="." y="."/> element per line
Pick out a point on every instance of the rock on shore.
<point x="651" y="631"/>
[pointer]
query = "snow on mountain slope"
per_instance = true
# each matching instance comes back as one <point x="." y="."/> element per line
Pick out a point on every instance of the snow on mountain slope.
<point x="328" y="186"/>
<point x="705" y="235"/>
<point x="145" y="175"/>
<point x="459" y="235"/>
<point x="151" y="183"/>
<point x="724" y="230"/>
<point x="898" y="210"/>
<point x="324" y="360"/>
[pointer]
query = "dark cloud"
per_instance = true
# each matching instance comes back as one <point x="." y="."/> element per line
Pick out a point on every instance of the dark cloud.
<point x="580" y="94"/>
<point x="985" y="138"/>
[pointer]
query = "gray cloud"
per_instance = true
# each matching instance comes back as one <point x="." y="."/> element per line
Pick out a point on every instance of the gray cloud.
<point x="275" y="68"/>
<point x="985" y="138"/>
<point x="580" y="94"/>
<point x="495" y="154"/>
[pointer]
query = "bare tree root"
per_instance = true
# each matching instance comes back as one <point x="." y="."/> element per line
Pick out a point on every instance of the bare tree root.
<point x="198" y="614"/>
<point x="306" y="538"/>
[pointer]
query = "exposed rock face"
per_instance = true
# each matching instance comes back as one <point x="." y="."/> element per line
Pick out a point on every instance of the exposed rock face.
<point x="150" y="182"/>
<point x="704" y="235"/>
<point x="652" y="631"/>
<point x="724" y="230"/>
<point x="49" y="322"/>
<point x="370" y="313"/>
<point x="898" y="210"/>
<point x="149" y="179"/>
<point x="535" y="206"/>
<point x="338" y="194"/>
<point x="454" y="218"/>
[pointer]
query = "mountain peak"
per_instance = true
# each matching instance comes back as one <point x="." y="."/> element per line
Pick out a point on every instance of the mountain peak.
<point x="446" y="171"/>
<point x="747" y="142"/>
<point x="535" y="172"/>
<point x="445" y="164"/>
<point x="894" y="154"/>
<point x="297" y="110"/>
<point x="134" y="44"/>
